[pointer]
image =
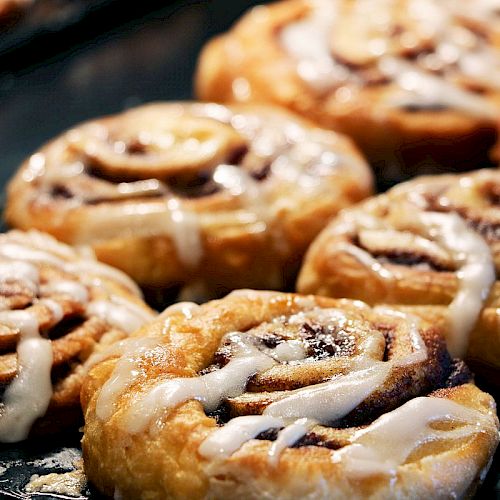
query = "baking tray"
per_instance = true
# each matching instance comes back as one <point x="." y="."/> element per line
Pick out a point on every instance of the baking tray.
<point x="105" y="57"/>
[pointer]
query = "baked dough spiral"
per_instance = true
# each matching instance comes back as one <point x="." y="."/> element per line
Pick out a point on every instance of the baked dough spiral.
<point x="271" y="395"/>
<point x="413" y="82"/>
<point x="57" y="306"/>
<point x="431" y="244"/>
<point x="191" y="194"/>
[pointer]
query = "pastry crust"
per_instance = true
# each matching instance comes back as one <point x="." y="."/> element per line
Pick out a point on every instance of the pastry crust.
<point x="164" y="455"/>
<point x="191" y="194"/>
<point x="57" y="307"/>
<point x="378" y="252"/>
<point x="381" y="72"/>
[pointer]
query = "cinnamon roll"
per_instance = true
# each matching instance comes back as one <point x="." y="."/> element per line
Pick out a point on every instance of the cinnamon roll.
<point x="196" y="195"/>
<point x="57" y="307"/>
<point x="272" y="395"/>
<point x="431" y="244"/>
<point x="413" y="82"/>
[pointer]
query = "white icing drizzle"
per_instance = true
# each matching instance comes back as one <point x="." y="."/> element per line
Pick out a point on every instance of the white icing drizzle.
<point x="296" y="412"/>
<point x="329" y="401"/>
<point x="457" y="49"/>
<point x="124" y="347"/>
<point x="322" y="403"/>
<point x="308" y="41"/>
<point x="127" y="368"/>
<point x="17" y="251"/>
<point x="389" y="441"/>
<point x="20" y="271"/>
<point x="230" y="381"/>
<point x="288" y="437"/>
<point x="289" y="350"/>
<point x="20" y="251"/>
<point x="124" y="374"/>
<point x="209" y="389"/>
<point x="325" y="402"/>
<point x="55" y="309"/>
<point x="92" y="266"/>
<point x="72" y="288"/>
<point x="427" y="90"/>
<point x="367" y="260"/>
<point x="119" y="312"/>
<point x="184" y="228"/>
<point x="28" y="396"/>
<point x="225" y="441"/>
<point x="476" y="272"/>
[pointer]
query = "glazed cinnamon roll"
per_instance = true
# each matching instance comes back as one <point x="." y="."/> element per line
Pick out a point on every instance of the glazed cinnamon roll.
<point x="413" y="82"/>
<point x="201" y="195"/>
<point x="431" y="244"/>
<point x="57" y="307"/>
<point x="269" y="395"/>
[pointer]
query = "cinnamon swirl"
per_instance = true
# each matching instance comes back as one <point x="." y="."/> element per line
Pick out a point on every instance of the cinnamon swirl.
<point x="197" y="195"/>
<point x="269" y="395"/>
<point x="57" y="307"/>
<point x="413" y="82"/>
<point x="432" y="244"/>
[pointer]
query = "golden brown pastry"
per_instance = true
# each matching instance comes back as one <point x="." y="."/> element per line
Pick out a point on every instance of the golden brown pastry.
<point x="191" y="194"/>
<point x="413" y="82"/>
<point x="433" y="244"/>
<point x="57" y="306"/>
<point x="270" y="395"/>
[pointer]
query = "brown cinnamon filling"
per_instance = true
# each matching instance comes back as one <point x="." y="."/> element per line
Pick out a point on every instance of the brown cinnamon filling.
<point x="323" y="342"/>
<point x="487" y="226"/>
<point x="408" y="258"/>
<point x="406" y="382"/>
<point x="191" y="186"/>
<point x="411" y="259"/>
<point x="489" y="230"/>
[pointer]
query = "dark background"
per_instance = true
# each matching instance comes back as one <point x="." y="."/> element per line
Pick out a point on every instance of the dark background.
<point x="99" y="58"/>
<point x="84" y="59"/>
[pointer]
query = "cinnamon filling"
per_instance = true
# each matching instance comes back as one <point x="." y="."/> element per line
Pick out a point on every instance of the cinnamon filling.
<point x="406" y="257"/>
<point x="190" y="186"/>
<point x="411" y="259"/>
<point x="488" y="229"/>
<point x="329" y="341"/>
<point x="487" y="225"/>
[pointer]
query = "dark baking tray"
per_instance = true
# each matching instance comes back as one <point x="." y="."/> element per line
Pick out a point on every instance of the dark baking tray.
<point x="104" y="57"/>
